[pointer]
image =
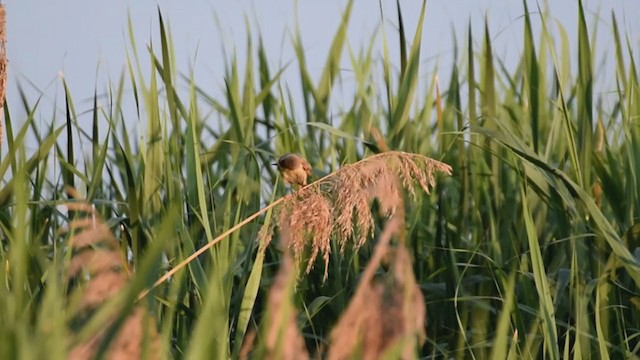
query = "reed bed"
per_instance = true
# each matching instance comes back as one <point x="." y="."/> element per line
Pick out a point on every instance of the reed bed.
<point x="491" y="217"/>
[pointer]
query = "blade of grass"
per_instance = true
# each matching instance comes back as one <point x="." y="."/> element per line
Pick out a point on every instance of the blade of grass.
<point x="547" y="308"/>
<point x="409" y="83"/>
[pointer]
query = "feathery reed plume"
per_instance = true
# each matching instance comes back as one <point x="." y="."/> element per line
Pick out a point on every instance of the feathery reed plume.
<point x="283" y="339"/>
<point x="340" y="203"/>
<point x="3" y="62"/>
<point x="247" y="345"/>
<point x="97" y="272"/>
<point x="307" y="216"/>
<point x="382" y="313"/>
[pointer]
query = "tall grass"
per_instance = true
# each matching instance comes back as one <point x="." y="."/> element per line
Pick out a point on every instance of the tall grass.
<point x="529" y="250"/>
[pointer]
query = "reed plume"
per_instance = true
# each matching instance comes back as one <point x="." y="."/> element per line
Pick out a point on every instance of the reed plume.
<point x="308" y="215"/>
<point x="97" y="273"/>
<point x="382" y="313"/>
<point x="340" y="204"/>
<point x="283" y="339"/>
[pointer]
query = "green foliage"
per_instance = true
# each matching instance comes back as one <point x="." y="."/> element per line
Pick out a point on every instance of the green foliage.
<point x="530" y="250"/>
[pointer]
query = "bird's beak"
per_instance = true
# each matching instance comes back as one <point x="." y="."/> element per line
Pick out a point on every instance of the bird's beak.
<point x="274" y="164"/>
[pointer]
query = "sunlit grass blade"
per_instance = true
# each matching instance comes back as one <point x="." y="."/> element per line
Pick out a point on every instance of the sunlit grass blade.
<point x="168" y="77"/>
<point x="585" y="97"/>
<point x="547" y="308"/>
<point x="332" y="65"/>
<point x="408" y="83"/>
<point x="248" y="95"/>
<point x="152" y="148"/>
<point x="532" y="78"/>
<point x="503" y="329"/>
<point x="402" y="41"/>
<point x="251" y="289"/>
<point x="40" y="155"/>
<point x="70" y="117"/>
<point x="560" y="76"/>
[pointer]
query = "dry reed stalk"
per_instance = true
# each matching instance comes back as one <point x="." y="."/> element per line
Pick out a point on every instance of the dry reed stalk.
<point x="3" y="63"/>
<point x="98" y="271"/>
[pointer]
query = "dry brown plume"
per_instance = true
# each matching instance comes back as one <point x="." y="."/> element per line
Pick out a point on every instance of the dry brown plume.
<point x="340" y="204"/>
<point x="97" y="273"/>
<point x="282" y="337"/>
<point x="383" y="313"/>
<point x="309" y="217"/>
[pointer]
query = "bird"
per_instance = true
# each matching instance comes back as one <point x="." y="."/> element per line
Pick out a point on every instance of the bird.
<point x="294" y="169"/>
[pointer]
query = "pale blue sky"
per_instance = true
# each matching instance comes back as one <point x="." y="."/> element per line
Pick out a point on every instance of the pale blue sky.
<point x="47" y="38"/>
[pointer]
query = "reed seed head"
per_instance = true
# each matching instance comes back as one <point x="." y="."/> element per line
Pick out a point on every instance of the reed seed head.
<point x="282" y="332"/>
<point x="98" y="272"/>
<point x="382" y="312"/>
<point x="341" y="203"/>
<point x="308" y="221"/>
